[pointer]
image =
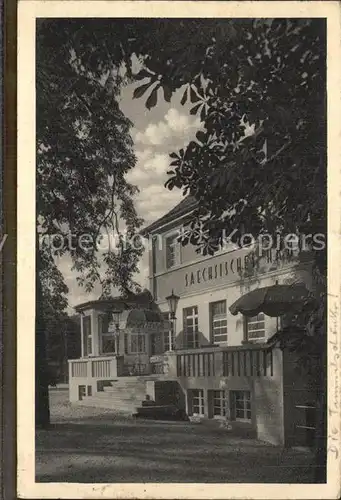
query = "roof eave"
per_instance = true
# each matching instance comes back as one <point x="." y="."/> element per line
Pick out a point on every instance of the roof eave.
<point x="90" y="304"/>
<point x="152" y="228"/>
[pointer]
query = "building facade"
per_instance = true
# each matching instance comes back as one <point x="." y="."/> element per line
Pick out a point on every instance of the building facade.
<point x="115" y="342"/>
<point x="215" y="365"/>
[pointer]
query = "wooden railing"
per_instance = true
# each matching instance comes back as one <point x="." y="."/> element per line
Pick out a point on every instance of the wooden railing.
<point x="79" y="368"/>
<point x="100" y="368"/>
<point x="248" y="363"/>
<point x="241" y="361"/>
<point x="199" y="364"/>
<point x="96" y="367"/>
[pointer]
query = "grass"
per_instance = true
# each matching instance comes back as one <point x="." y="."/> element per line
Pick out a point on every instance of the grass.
<point x="89" y="445"/>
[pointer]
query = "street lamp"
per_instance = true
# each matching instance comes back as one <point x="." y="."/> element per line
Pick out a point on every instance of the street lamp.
<point x="172" y="300"/>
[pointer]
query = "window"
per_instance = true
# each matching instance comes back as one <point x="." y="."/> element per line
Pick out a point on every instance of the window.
<point x="171" y="248"/>
<point x="137" y="344"/>
<point x="154" y="241"/>
<point x="166" y="345"/>
<point x="190" y="322"/>
<point x="197" y="397"/>
<point x="87" y="337"/>
<point x="103" y="323"/>
<point x="255" y="327"/>
<point x="241" y="401"/>
<point x="107" y="339"/>
<point x="81" y="392"/>
<point x="218" y="322"/>
<point x="108" y="343"/>
<point x="219" y="404"/>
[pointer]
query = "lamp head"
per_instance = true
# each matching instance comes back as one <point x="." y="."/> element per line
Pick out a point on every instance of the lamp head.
<point x="173" y="300"/>
<point x="116" y="315"/>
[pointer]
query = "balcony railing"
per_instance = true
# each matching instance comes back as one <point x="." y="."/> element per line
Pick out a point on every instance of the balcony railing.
<point x="96" y="367"/>
<point x="79" y="368"/>
<point x="198" y="364"/>
<point x="248" y="363"/>
<point x="100" y="368"/>
<point x="241" y="361"/>
<point x="211" y="361"/>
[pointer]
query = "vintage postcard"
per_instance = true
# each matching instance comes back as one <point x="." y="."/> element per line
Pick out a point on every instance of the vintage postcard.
<point x="179" y="249"/>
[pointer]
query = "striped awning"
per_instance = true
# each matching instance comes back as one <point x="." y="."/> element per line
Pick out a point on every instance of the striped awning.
<point x="144" y="321"/>
<point x="273" y="300"/>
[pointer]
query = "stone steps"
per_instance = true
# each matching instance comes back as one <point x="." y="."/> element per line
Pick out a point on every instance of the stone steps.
<point x="93" y="401"/>
<point x="109" y="402"/>
<point x="123" y="395"/>
<point x="124" y="390"/>
<point x="115" y="399"/>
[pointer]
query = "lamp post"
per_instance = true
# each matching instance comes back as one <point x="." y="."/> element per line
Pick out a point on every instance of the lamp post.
<point x="116" y="323"/>
<point x="172" y="300"/>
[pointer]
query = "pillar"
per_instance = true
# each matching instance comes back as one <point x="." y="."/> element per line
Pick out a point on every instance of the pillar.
<point x="94" y="333"/>
<point x="82" y="336"/>
<point x="269" y="403"/>
<point x="171" y="365"/>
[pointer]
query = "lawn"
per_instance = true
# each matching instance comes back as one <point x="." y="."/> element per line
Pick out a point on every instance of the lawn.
<point x="89" y="445"/>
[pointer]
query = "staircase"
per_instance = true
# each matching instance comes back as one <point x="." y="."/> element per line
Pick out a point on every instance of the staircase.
<point x="122" y="395"/>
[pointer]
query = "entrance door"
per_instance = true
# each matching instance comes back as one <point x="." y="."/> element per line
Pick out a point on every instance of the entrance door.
<point x="81" y="392"/>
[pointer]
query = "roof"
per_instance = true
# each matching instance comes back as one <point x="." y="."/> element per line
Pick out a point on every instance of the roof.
<point x="146" y="319"/>
<point x="143" y="299"/>
<point x="185" y="206"/>
<point x="97" y="302"/>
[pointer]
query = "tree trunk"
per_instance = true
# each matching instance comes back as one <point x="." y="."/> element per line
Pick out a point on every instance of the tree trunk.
<point x="42" y="407"/>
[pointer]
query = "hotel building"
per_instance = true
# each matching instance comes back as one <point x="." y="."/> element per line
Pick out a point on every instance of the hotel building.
<point x="207" y="361"/>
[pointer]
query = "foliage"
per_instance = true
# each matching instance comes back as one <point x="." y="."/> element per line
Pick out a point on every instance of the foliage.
<point x="265" y="76"/>
<point x="84" y="151"/>
<point x="262" y="75"/>
<point x="62" y="341"/>
<point x="259" y="164"/>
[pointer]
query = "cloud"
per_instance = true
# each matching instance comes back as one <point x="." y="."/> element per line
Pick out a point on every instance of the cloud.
<point x="150" y="175"/>
<point x="174" y="125"/>
<point x="153" y="162"/>
<point x="153" y="142"/>
<point x="150" y="167"/>
<point x="155" y="200"/>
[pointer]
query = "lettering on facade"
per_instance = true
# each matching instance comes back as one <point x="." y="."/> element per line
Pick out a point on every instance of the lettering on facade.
<point x="232" y="267"/>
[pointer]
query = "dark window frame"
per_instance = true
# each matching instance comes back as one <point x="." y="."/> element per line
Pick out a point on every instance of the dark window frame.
<point x="222" y="319"/>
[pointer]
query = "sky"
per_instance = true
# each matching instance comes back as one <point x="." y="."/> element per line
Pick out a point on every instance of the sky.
<point x="156" y="133"/>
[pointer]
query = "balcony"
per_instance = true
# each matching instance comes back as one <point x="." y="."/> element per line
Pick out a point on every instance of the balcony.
<point x="108" y="367"/>
<point x="100" y="367"/>
<point x="212" y="361"/>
